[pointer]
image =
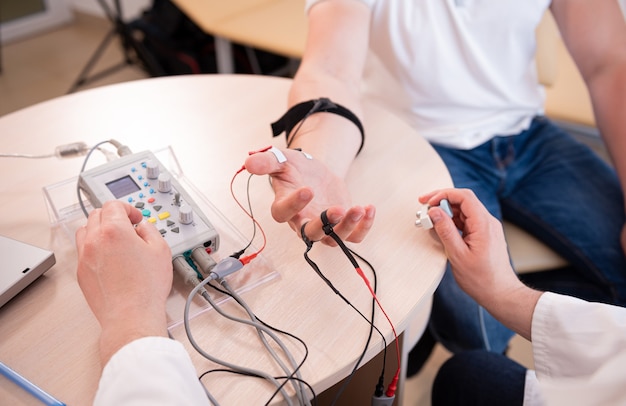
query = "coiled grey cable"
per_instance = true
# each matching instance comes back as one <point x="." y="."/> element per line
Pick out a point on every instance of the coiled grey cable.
<point x="207" y="264"/>
<point x="197" y="347"/>
<point x="298" y="385"/>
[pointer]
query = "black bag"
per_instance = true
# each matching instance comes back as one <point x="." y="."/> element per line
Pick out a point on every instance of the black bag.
<point x="175" y="45"/>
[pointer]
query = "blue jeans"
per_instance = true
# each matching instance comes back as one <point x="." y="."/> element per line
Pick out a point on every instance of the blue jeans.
<point x="479" y="378"/>
<point x="557" y="189"/>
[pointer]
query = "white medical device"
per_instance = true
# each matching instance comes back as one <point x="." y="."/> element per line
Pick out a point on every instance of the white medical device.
<point x="142" y="181"/>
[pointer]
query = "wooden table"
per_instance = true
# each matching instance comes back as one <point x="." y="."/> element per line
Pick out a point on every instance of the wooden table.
<point x="277" y="26"/>
<point x="47" y="332"/>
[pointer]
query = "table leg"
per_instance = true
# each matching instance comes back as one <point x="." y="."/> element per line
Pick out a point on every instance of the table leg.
<point x="411" y="336"/>
<point x="224" y="55"/>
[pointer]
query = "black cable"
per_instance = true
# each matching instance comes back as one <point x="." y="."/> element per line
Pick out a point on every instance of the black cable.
<point x="292" y="375"/>
<point x="292" y="136"/>
<point x="205" y="354"/>
<point x="231" y="371"/>
<point x="296" y="371"/>
<point x="309" y="245"/>
<point x="375" y="277"/>
<point x="328" y="230"/>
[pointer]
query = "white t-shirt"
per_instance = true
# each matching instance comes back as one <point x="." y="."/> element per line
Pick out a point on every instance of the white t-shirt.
<point x="464" y="70"/>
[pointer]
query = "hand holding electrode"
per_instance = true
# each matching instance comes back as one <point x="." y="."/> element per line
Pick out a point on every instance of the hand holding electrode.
<point x="474" y="243"/>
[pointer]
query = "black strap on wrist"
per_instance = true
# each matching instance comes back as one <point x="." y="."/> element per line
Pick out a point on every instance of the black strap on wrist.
<point x="301" y="111"/>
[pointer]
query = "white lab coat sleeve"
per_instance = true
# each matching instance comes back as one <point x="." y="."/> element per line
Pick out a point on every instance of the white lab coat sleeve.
<point x="579" y="350"/>
<point x="150" y="371"/>
<point x="532" y="391"/>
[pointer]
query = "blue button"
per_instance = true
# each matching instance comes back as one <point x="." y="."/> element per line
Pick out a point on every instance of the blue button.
<point x="141" y="195"/>
<point x="146" y="183"/>
<point x="140" y="177"/>
<point x="130" y="199"/>
<point x="133" y="169"/>
<point x="143" y="165"/>
<point x="151" y="191"/>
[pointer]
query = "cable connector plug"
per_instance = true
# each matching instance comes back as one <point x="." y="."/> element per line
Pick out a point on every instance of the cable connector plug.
<point x="122" y="150"/>
<point x="225" y="267"/>
<point x="71" y="150"/>
<point x="380" y="388"/>
<point x="204" y="261"/>
<point x="183" y="268"/>
<point x="246" y="260"/>
<point x="391" y="389"/>
<point x="383" y="400"/>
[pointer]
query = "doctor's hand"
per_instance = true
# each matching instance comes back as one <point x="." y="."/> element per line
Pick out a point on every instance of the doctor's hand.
<point x="125" y="273"/>
<point x="474" y="243"/>
<point x="304" y="187"/>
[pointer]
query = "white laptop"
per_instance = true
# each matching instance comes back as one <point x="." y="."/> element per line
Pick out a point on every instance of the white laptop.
<point x="21" y="264"/>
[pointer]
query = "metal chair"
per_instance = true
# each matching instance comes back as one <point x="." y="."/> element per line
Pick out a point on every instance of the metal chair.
<point x="134" y="51"/>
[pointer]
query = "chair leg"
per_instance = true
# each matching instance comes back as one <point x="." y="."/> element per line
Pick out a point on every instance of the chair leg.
<point x="83" y="77"/>
<point x="134" y="51"/>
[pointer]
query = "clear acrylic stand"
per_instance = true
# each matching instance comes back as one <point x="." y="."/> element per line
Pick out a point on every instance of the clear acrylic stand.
<point x="66" y="215"/>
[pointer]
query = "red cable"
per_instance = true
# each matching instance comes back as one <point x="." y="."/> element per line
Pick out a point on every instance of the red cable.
<point x="250" y="257"/>
<point x="391" y="389"/>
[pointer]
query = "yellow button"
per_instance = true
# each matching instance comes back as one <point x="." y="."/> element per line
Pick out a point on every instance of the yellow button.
<point x="152" y="220"/>
<point x="164" y="215"/>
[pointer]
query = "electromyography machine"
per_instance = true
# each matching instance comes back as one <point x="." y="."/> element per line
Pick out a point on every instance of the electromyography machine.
<point x="141" y="180"/>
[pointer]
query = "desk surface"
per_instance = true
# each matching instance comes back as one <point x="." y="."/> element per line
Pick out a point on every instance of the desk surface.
<point x="48" y="334"/>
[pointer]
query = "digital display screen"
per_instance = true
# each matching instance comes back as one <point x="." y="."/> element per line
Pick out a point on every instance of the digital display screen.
<point x="123" y="186"/>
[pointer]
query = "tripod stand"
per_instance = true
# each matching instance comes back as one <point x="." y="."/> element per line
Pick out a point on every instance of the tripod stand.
<point x="134" y="51"/>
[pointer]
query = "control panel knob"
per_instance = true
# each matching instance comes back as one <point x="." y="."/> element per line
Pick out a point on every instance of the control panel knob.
<point x="165" y="183"/>
<point x="185" y="215"/>
<point x="152" y="169"/>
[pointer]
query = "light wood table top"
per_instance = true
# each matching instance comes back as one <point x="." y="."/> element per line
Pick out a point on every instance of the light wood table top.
<point x="48" y="334"/>
<point x="278" y="26"/>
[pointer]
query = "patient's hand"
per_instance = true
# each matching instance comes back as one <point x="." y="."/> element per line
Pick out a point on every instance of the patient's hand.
<point x="304" y="188"/>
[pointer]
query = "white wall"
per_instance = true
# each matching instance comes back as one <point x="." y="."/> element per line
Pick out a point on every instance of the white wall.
<point x="56" y="13"/>
<point x="59" y="12"/>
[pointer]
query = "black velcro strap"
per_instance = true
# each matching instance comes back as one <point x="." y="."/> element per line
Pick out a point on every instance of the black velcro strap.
<point x="303" y="110"/>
